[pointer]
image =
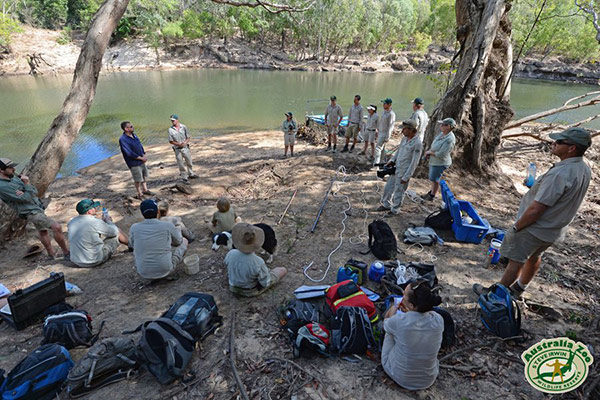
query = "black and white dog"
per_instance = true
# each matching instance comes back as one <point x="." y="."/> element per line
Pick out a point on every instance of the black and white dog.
<point x="269" y="246"/>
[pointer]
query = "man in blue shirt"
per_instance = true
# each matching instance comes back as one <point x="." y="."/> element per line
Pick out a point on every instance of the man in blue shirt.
<point x="135" y="158"/>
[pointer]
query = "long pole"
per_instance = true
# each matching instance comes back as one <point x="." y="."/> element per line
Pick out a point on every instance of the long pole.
<point x="322" y="206"/>
<point x="288" y="206"/>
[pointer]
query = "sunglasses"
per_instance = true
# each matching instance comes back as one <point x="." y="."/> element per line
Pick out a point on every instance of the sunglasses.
<point x="560" y="141"/>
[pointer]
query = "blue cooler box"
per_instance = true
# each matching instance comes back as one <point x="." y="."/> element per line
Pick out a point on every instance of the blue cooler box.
<point x="471" y="233"/>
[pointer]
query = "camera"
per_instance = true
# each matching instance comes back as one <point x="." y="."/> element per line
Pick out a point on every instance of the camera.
<point x="385" y="170"/>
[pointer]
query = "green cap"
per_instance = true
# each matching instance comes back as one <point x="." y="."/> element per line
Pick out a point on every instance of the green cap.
<point x="86" y="205"/>
<point x="418" y="101"/>
<point x="333" y="98"/>
<point x="387" y="100"/>
<point x="174" y="117"/>
<point x="448" y="121"/>
<point x="578" y="136"/>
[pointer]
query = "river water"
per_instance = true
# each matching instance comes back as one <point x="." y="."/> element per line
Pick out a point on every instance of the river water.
<point x="213" y="101"/>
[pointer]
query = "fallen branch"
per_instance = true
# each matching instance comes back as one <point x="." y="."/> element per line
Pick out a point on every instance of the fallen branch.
<point x="236" y="375"/>
<point x="528" y="134"/>
<point x="283" y="360"/>
<point x="583" y="121"/>
<point x="288" y="206"/>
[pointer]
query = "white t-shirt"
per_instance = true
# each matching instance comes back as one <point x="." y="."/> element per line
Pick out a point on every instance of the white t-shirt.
<point x="86" y="239"/>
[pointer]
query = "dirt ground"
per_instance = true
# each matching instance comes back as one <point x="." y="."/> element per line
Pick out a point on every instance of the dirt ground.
<point x="249" y="168"/>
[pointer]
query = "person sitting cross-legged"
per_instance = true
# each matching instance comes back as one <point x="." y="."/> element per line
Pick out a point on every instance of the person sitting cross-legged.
<point x="158" y="246"/>
<point x="248" y="274"/>
<point x="163" y="210"/>
<point x="92" y="241"/>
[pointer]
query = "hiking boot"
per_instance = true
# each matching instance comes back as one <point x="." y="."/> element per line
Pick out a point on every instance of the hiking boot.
<point x="345" y="149"/>
<point x="334" y="149"/>
<point x="351" y="148"/>
<point x="515" y="291"/>
<point x="382" y="208"/>
<point x="390" y="214"/>
<point x="427" y="196"/>
<point x="328" y="147"/>
<point x="148" y="192"/>
<point x="362" y="153"/>
<point x="480" y="289"/>
<point x="194" y="176"/>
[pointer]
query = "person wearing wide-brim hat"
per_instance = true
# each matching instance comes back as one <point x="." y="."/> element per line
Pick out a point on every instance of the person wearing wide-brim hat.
<point x="440" y="155"/>
<point x="248" y="274"/>
<point x="289" y="128"/>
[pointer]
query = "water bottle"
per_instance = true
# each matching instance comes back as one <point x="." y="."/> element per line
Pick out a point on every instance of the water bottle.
<point x="531" y="170"/>
<point x="183" y="311"/>
<point x="376" y="271"/>
<point x="493" y="253"/>
<point x="104" y="213"/>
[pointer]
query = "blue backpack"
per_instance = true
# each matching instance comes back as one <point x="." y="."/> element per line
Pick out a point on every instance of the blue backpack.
<point x="499" y="312"/>
<point x="39" y="376"/>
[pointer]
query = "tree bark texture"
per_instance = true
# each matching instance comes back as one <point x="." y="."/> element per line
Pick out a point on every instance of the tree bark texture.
<point x="50" y="154"/>
<point x="475" y="97"/>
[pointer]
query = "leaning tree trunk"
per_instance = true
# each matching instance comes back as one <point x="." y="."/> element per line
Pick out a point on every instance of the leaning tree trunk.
<point x="50" y="154"/>
<point x="478" y="96"/>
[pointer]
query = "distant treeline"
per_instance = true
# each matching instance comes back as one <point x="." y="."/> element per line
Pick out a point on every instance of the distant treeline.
<point x="329" y="30"/>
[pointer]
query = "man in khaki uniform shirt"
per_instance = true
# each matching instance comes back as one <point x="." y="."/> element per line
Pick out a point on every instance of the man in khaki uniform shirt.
<point x="546" y="210"/>
<point x="355" y="119"/>
<point x="333" y="118"/>
<point x="180" y="140"/>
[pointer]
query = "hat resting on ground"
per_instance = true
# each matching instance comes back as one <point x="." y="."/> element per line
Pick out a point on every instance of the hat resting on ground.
<point x="387" y="100"/>
<point x="7" y="163"/>
<point x="410" y="123"/>
<point x="448" y="121"/>
<point x="577" y="136"/>
<point x="173" y="117"/>
<point x="247" y="238"/>
<point x="86" y="205"/>
<point x="149" y="208"/>
<point x="418" y="101"/>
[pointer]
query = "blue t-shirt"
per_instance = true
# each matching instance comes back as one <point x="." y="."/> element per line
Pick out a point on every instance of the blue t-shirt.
<point x="131" y="147"/>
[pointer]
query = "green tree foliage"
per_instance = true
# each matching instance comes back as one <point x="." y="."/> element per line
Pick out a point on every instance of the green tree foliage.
<point x="51" y="14"/>
<point x="8" y="26"/>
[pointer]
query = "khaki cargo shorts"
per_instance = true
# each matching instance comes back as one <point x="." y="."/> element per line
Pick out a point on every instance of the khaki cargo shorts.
<point x="41" y="221"/>
<point x="289" y="139"/>
<point x="254" y="291"/>
<point x="370" y="136"/>
<point x="522" y="245"/>
<point x="332" y="129"/>
<point x="352" y="131"/>
<point x="139" y="173"/>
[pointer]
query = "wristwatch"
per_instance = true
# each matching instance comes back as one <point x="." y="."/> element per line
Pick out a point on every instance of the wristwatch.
<point x="514" y="228"/>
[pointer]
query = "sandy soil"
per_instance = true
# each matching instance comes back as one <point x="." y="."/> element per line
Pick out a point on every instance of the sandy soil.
<point x="248" y="167"/>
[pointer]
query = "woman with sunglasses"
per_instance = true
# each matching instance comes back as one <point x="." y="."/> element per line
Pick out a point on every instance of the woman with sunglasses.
<point x="413" y="336"/>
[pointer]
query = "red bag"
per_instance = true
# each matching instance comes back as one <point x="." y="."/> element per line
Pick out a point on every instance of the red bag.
<point x="356" y="299"/>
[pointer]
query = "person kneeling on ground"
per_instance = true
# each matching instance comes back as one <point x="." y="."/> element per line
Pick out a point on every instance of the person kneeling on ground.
<point x="163" y="210"/>
<point x="224" y="218"/>
<point x="158" y="246"/>
<point x="92" y="241"/>
<point x="248" y="274"/>
<point x="413" y="338"/>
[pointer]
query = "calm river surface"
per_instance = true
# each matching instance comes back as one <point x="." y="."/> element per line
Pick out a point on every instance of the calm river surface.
<point x="209" y="101"/>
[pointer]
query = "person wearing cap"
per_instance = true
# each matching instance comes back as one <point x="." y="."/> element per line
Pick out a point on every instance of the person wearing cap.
<point x="21" y="196"/>
<point x="385" y="128"/>
<point x="355" y="117"/>
<point x="289" y="128"/>
<point x="247" y="273"/>
<point x="135" y="158"/>
<point x="158" y="246"/>
<point x="92" y="240"/>
<point x="546" y="210"/>
<point x="406" y="158"/>
<point x="333" y="118"/>
<point x="420" y="115"/>
<point x="371" y="130"/>
<point x="179" y="138"/>
<point x="439" y="155"/>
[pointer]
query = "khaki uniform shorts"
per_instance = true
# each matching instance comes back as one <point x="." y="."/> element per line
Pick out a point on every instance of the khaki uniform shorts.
<point x="254" y="291"/>
<point x="289" y="139"/>
<point x="41" y="221"/>
<point x="370" y="136"/>
<point x="332" y="129"/>
<point x="109" y="248"/>
<point x="139" y="173"/>
<point x="522" y="245"/>
<point x="352" y="131"/>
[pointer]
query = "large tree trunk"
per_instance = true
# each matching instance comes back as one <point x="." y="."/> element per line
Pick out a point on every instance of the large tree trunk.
<point x="50" y="154"/>
<point x="478" y="97"/>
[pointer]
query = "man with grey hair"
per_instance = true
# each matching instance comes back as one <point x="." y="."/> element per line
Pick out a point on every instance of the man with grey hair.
<point x="546" y="210"/>
<point x="385" y="128"/>
<point x="420" y="116"/>
<point x="405" y="160"/>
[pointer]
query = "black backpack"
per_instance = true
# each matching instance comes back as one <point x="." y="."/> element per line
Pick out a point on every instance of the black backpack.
<point x="499" y="312"/>
<point x="382" y="241"/>
<point x="70" y="329"/>
<point x="440" y="219"/>
<point x="449" y="335"/>
<point x="297" y="313"/>
<point x="40" y="376"/>
<point x="165" y="349"/>
<point x="197" y="313"/>
<point x="351" y="331"/>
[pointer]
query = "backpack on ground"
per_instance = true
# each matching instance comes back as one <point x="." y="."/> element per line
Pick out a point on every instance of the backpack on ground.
<point x="499" y="312"/>
<point x="449" y="334"/>
<point x="312" y="338"/>
<point x="296" y="314"/>
<point x="440" y="219"/>
<point x="70" y="329"/>
<point x="382" y="242"/>
<point x="197" y="313"/>
<point x="423" y="271"/>
<point x="40" y="376"/>
<point x="422" y="235"/>
<point x="351" y="331"/>
<point x="349" y="294"/>
<point x="165" y="349"/>
<point x="106" y="362"/>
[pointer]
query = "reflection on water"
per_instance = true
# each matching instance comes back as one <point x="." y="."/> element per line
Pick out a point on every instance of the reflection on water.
<point x="220" y="101"/>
